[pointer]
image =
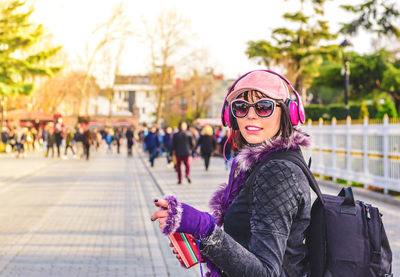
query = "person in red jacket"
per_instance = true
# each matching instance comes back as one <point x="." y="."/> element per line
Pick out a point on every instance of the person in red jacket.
<point x="182" y="145"/>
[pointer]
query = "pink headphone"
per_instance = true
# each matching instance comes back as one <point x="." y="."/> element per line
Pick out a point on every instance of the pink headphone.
<point x="296" y="110"/>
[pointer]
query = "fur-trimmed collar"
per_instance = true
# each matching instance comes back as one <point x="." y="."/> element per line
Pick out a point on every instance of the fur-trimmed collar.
<point x="249" y="155"/>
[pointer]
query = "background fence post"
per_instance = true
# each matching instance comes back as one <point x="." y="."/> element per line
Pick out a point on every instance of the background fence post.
<point x="333" y="132"/>
<point x="320" y="143"/>
<point x="348" y="149"/>
<point x="386" y="127"/>
<point x="365" y="150"/>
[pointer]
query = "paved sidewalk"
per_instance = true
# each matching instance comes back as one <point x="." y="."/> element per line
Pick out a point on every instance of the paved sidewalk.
<point x="10" y="169"/>
<point x="81" y="218"/>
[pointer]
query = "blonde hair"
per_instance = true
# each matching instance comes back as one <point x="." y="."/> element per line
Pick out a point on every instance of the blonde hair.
<point x="207" y="131"/>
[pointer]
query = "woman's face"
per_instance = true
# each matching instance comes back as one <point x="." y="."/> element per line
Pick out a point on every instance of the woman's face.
<point x="255" y="129"/>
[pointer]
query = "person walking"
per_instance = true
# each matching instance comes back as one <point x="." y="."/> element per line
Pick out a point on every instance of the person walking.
<point x="195" y="135"/>
<point x="152" y="144"/>
<point x="117" y="138"/>
<point x="207" y="144"/>
<point x="43" y="137"/>
<point x="51" y="140"/>
<point x="167" y="140"/>
<point x="97" y="139"/>
<point x="109" y="139"/>
<point x="58" y="138"/>
<point x="69" y="142"/>
<point x="78" y="137"/>
<point x="4" y="135"/>
<point x="182" y="145"/>
<point x="260" y="217"/>
<point x="129" y="140"/>
<point x="12" y="141"/>
<point x="20" y="136"/>
<point x="87" y="141"/>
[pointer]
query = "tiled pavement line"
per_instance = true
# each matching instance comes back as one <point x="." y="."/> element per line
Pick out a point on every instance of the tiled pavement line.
<point x="25" y="239"/>
<point x="158" y="262"/>
<point x="151" y="190"/>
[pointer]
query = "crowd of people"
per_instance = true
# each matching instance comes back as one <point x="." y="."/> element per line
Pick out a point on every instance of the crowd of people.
<point x="56" y="140"/>
<point x="184" y="142"/>
<point x="176" y="144"/>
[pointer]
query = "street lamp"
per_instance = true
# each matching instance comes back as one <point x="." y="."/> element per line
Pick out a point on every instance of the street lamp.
<point x="346" y="63"/>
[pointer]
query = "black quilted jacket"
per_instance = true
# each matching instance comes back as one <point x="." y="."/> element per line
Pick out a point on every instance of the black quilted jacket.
<point x="279" y="217"/>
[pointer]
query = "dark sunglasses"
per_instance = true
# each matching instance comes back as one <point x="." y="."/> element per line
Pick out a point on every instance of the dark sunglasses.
<point x="264" y="107"/>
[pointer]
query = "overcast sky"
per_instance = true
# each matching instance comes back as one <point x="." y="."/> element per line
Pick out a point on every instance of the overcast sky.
<point x="223" y="27"/>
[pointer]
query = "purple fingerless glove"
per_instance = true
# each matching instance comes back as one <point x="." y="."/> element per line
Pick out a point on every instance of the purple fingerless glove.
<point x="183" y="218"/>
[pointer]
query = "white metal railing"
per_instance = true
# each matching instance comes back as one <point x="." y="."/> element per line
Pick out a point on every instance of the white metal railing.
<point x="364" y="153"/>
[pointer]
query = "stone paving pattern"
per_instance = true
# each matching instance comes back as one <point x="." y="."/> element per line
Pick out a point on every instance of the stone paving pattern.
<point x="92" y="218"/>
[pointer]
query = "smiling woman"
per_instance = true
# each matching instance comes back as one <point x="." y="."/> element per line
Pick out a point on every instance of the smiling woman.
<point x="265" y="207"/>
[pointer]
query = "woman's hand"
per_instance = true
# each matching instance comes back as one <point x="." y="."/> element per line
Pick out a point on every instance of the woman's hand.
<point x="174" y="216"/>
<point x="176" y="253"/>
<point x="162" y="213"/>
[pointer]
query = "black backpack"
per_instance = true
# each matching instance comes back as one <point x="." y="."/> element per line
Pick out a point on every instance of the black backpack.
<point x="346" y="238"/>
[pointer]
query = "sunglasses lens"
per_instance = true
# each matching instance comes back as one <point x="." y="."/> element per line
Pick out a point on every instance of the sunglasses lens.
<point x="264" y="108"/>
<point x="240" y="108"/>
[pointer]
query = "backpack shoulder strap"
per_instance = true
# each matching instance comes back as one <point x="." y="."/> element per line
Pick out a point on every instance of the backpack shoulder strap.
<point x="296" y="157"/>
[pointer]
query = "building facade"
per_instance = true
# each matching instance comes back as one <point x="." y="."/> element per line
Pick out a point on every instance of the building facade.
<point x="205" y="93"/>
<point x="135" y="93"/>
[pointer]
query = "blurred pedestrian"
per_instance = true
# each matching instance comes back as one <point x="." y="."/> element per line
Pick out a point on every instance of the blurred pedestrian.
<point x="44" y="136"/>
<point x="20" y="137"/>
<point x="3" y="139"/>
<point x="142" y="135"/>
<point x="152" y="142"/>
<point x="69" y="140"/>
<point x="4" y="135"/>
<point x="195" y="136"/>
<point x="87" y="141"/>
<point x="29" y="140"/>
<point x="167" y="140"/>
<point x="36" y="140"/>
<point x="207" y="144"/>
<point x="117" y="138"/>
<point x="12" y="140"/>
<point x="182" y="145"/>
<point x="97" y="138"/>
<point x="109" y="139"/>
<point x="51" y="140"/>
<point x="58" y="138"/>
<point x="78" y="137"/>
<point x="129" y="140"/>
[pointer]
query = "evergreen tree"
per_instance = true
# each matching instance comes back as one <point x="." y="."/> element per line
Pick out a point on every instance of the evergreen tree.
<point x="299" y="51"/>
<point x="377" y="16"/>
<point x="18" y="64"/>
